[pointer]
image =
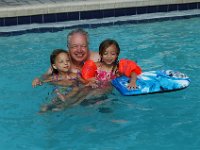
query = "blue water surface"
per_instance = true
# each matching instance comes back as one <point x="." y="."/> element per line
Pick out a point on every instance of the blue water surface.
<point x="162" y="121"/>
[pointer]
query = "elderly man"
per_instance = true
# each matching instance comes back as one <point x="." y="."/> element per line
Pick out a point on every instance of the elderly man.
<point x="77" y="43"/>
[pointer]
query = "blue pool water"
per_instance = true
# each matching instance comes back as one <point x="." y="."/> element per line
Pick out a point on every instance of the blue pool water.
<point x="167" y="121"/>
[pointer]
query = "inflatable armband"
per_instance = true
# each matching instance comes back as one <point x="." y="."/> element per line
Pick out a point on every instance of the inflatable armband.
<point x="126" y="67"/>
<point x="89" y="70"/>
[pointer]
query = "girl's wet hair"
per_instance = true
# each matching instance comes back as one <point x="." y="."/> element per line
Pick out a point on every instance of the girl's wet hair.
<point x="104" y="45"/>
<point x="107" y="43"/>
<point x="53" y="56"/>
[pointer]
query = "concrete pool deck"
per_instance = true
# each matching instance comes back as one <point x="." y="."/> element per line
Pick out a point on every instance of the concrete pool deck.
<point x="14" y="8"/>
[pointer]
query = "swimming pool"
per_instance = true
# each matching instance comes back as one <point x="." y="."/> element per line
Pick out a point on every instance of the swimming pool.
<point x="157" y="121"/>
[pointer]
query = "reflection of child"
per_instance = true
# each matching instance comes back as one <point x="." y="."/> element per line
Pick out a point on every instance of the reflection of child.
<point x="61" y="75"/>
<point x="100" y="73"/>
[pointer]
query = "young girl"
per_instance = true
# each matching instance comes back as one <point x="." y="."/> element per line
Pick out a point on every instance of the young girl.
<point x="100" y="73"/>
<point x="61" y="75"/>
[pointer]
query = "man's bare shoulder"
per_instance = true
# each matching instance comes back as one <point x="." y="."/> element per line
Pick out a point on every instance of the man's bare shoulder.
<point x="94" y="56"/>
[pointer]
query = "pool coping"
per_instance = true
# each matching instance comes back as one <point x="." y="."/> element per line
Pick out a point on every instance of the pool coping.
<point x="93" y="23"/>
<point x="60" y="6"/>
<point x="119" y="14"/>
<point x="83" y="10"/>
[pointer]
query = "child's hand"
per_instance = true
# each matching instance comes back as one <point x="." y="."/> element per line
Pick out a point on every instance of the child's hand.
<point x="93" y="85"/>
<point x="132" y="85"/>
<point x="93" y="82"/>
<point x="36" y="82"/>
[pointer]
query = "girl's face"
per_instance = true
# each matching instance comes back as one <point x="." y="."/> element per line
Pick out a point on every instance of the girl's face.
<point x="62" y="63"/>
<point x="110" y="55"/>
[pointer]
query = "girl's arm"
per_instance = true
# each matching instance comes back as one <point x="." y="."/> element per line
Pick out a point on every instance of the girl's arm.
<point x="132" y="83"/>
<point x="38" y="80"/>
<point x="53" y="79"/>
<point x="41" y="80"/>
<point x="92" y="82"/>
<point x="130" y="69"/>
<point x="80" y="79"/>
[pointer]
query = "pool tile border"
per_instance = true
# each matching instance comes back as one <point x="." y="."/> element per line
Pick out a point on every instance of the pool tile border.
<point x="95" y="14"/>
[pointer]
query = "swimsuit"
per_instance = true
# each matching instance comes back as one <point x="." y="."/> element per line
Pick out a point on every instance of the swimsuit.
<point x="104" y="76"/>
<point x="66" y="89"/>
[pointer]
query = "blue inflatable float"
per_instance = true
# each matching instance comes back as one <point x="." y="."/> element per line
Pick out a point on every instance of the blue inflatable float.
<point x="153" y="82"/>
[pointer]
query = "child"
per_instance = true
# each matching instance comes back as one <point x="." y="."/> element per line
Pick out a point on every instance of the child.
<point x="61" y="75"/>
<point x="100" y="73"/>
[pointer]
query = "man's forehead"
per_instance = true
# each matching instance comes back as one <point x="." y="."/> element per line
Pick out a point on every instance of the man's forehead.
<point x="78" y="34"/>
<point x="78" y="42"/>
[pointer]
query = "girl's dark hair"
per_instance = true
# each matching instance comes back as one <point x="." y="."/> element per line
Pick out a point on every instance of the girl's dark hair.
<point x="104" y="45"/>
<point x="53" y="56"/>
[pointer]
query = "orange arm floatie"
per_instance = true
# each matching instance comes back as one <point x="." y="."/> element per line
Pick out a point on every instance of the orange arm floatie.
<point x="89" y="70"/>
<point x="126" y="67"/>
